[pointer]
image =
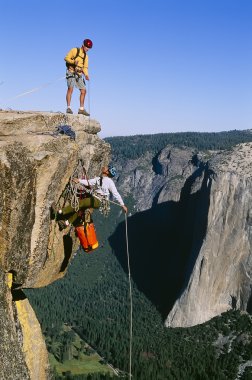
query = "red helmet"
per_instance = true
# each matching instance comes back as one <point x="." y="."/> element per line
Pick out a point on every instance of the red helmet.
<point x="88" y="43"/>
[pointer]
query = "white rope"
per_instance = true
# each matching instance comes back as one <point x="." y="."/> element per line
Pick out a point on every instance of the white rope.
<point x="130" y="296"/>
<point x="34" y="89"/>
<point x="89" y="105"/>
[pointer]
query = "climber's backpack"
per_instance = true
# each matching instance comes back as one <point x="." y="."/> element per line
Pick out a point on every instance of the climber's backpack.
<point x="65" y="130"/>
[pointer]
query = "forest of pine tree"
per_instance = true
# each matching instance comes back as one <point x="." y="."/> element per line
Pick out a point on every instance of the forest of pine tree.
<point x="130" y="147"/>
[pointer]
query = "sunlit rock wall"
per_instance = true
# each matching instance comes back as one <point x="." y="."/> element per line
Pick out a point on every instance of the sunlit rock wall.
<point x="34" y="170"/>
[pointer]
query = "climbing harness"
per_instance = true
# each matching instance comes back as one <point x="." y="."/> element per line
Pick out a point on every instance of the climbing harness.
<point x="75" y="74"/>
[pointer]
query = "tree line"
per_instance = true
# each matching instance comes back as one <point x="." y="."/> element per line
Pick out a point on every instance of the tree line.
<point x="132" y="147"/>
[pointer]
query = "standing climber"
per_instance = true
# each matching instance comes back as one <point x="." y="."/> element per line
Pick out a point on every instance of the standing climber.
<point x="77" y="66"/>
<point x="103" y="185"/>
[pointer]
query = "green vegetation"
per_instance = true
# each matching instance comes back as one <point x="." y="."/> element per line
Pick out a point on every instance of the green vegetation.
<point x="69" y="353"/>
<point x="85" y="365"/>
<point x="131" y="147"/>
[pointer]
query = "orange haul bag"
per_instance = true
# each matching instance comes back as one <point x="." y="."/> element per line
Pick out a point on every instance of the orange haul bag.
<point x="87" y="236"/>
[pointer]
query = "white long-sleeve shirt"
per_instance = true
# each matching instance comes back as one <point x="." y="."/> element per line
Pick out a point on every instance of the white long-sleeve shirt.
<point x="106" y="188"/>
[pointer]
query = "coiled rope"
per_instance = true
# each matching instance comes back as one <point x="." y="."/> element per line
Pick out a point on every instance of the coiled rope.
<point x="72" y="188"/>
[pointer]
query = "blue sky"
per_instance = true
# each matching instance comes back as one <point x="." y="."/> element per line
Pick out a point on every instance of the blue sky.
<point x="156" y="66"/>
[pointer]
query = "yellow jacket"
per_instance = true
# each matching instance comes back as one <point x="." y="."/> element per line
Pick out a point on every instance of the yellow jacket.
<point x="82" y="64"/>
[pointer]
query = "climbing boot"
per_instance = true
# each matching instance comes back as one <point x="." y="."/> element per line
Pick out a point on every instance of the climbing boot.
<point x="69" y="110"/>
<point x="83" y="112"/>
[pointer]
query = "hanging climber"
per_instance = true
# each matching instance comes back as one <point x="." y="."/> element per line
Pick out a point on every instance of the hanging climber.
<point x="77" y="66"/>
<point x="103" y="186"/>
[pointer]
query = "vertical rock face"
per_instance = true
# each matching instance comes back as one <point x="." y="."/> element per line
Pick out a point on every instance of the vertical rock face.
<point x="201" y="208"/>
<point x="32" y="341"/>
<point x="34" y="170"/>
<point x="154" y="180"/>
<point x="222" y="274"/>
<point x="13" y="364"/>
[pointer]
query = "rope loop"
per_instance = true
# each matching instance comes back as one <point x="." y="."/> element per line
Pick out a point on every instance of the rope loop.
<point x="74" y="188"/>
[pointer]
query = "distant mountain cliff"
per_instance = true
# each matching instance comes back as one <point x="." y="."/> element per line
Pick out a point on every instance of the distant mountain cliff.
<point x="34" y="170"/>
<point x="220" y="277"/>
<point x="191" y="238"/>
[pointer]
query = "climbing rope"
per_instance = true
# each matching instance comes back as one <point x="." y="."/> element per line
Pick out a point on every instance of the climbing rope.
<point x="34" y="89"/>
<point x="130" y="297"/>
<point x="89" y="105"/>
<point x="130" y="292"/>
